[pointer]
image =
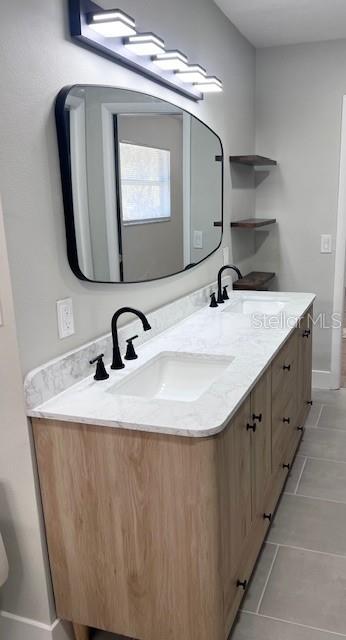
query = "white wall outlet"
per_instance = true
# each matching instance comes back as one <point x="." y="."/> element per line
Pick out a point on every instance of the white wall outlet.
<point x="326" y="243"/>
<point x="65" y="318"/>
<point x="198" y="239"/>
<point x="225" y="252"/>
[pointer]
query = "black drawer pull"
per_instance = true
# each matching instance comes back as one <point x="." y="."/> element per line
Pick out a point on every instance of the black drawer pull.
<point x="287" y="367"/>
<point x="300" y="429"/>
<point x="259" y="417"/>
<point x="288" y="420"/>
<point x="286" y="466"/>
<point x="309" y="402"/>
<point x="267" y="516"/>
<point x="252" y="427"/>
<point x="242" y="584"/>
<point x="306" y="333"/>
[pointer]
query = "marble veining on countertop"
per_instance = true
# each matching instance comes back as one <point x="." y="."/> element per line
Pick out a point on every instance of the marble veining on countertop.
<point x="207" y="331"/>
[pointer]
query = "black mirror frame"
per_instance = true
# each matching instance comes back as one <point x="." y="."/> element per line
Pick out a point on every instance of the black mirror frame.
<point x="66" y="181"/>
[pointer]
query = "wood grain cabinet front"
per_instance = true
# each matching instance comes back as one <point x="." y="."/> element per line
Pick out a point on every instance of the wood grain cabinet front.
<point x="155" y="537"/>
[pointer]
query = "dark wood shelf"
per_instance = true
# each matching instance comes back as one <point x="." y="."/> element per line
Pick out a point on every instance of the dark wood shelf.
<point x="253" y="161"/>
<point x="252" y="223"/>
<point x="254" y="281"/>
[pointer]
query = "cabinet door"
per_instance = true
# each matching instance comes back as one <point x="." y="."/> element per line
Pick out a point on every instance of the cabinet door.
<point x="304" y="333"/>
<point x="261" y="448"/>
<point x="284" y="399"/>
<point x="234" y="454"/>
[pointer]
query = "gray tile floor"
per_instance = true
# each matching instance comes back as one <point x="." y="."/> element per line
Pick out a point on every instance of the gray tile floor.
<point x="298" y="591"/>
<point x="301" y="593"/>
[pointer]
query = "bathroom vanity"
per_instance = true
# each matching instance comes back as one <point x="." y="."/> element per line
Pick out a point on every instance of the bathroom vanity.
<point x="156" y="510"/>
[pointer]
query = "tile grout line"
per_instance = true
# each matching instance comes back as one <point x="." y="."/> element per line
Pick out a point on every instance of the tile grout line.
<point x="324" y="459"/>
<point x="297" y="624"/>
<point x="325" y="428"/>
<point x="319" y="415"/>
<point x="321" y="553"/>
<point x="300" y="475"/>
<point x="303" y="495"/>
<point x="267" y="579"/>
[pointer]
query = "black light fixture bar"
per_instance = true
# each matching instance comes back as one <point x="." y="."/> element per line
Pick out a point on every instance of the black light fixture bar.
<point x="114" y="49"/>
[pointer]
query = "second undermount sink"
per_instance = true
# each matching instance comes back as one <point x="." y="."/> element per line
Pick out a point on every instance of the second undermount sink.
<point x="174" y="376"/>
<point x="260" y="306"/>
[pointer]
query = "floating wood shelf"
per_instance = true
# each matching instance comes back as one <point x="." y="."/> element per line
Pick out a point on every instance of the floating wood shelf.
<point x="253" y="161"/>
<point x="254" y="281"/>
<point x="252" y="223"/>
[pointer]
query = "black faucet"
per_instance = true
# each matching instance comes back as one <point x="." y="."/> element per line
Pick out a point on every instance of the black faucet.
<point x="220" y="296"/>
<point x="117" y="361"/>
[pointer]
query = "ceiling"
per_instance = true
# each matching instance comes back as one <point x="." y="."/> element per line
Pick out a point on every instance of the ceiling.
<point x="267" y="23"/>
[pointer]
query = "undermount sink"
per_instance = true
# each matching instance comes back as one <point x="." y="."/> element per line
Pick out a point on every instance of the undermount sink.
<point x="174" y="376"/>
<point x="261" y="306"/>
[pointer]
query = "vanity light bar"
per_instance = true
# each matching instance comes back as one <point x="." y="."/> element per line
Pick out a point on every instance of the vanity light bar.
<point x="145" y="44"/>
<point x="171" y="61"/>
<point x="112" y="24"/>
<point x="194" y="74"/>
<point x="112" y="33"/>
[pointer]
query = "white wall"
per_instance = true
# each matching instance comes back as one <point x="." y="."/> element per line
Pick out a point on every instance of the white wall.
<point x="37" y="59"/>
<point x="27" y="591"/>
<point x="299" y="103"/>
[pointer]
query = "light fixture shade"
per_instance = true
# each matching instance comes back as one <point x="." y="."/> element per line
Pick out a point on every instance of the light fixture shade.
<point x="145" y="44"/>
<point x="171" y="61"/>
<point x="210" y="84"/>
<point x="208" y="88"/>
<point x="112" y="24"/>
<point x="194" y="74"/>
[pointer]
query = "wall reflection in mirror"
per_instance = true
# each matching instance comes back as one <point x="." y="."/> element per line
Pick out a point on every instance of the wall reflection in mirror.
<point x="142" y="183"/>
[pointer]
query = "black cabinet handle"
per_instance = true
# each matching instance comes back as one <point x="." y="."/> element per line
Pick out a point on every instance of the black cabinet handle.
<point x="300" y="429"/>
<point x="242" y="584"/>
<point x="259" y="417"/>
<point x="286" y="466"/>
<point x="306" y="333"/>
<point x="309" y="402"/>
<point x="288" y="420"/>
<point x="287" y="367"/>
<point x="252" y="427"/>
<point x="267" y="516"/>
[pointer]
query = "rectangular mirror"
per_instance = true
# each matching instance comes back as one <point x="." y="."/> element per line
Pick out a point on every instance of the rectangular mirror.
<point x="142" y="184"/>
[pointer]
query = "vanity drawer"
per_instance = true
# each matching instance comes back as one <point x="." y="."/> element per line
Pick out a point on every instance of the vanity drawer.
<point x="284" y="399"/>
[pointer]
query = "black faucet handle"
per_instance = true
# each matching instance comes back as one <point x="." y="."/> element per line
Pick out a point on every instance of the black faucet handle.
<point x="130" y="351"/>
<point x="213" y="302"/>
<point x="101" y="373"/>
<point x="225" y="293"/>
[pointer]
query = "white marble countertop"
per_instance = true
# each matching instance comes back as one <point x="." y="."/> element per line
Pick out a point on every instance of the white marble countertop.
<point x="207" y="331"/>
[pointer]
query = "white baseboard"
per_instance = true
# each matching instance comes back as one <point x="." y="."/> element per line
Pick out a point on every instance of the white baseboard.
<point x="14" y="627"/>
<point x="324" y="380"/>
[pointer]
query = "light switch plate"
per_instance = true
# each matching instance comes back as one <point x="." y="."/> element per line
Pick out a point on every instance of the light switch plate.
<point x="326" y="243"/>
<point x="65" y="318"/>
<point x="198" y="239"/>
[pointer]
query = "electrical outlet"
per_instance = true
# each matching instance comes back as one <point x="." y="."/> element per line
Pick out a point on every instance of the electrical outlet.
<point x="198" y="239"/>
<point x="326" y="243"/>
<point x="225" y="251"/>
<point x="65" y="318"/>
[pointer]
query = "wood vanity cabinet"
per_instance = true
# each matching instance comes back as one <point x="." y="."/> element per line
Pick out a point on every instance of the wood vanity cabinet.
<point x="155" y="537"/>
